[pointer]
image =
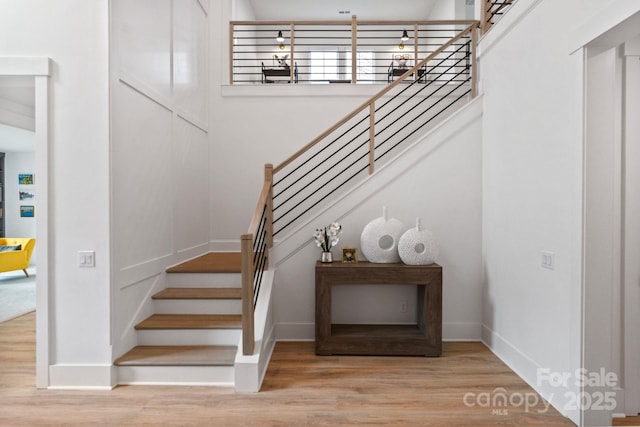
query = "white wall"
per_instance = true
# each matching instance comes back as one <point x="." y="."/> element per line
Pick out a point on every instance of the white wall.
<point x="242" y="10"/>
<point x="160" y="149"/>
<point x="272" y="128"/>
<point x="447" y="9"/>
<point x="15" y="226"/>
<point x="532" y="196"/>
<point x="73" y="33"/>
<point x="533" y="151"/>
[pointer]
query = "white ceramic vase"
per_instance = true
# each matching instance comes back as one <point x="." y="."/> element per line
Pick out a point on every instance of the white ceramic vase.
<point x="379" y="239"/>
<point x="418" y="246"/>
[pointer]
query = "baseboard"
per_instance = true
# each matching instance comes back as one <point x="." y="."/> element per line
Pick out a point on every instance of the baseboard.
<point x="461" y="331"/>
<point x="295" y="332"/>
<point x="82" y="377"/>
<point x="559" y="396"/>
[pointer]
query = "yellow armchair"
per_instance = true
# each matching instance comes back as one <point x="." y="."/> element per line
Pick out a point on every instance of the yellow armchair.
<point x="16" y="260"/>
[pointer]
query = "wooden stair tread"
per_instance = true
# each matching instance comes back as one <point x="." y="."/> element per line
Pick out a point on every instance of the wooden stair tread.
<point x="212" y="262"/>
<point x="199" y="293"/>
<point x="179" y="355"/>
<point x="191" y="321"/>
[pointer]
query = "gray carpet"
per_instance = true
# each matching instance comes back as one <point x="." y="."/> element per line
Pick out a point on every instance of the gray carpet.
<point x="17" y="294"/>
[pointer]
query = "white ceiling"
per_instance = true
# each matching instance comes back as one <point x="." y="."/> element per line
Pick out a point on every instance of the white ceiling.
<point x="16" y="140"/>
<point x="17" y="97"/>
<point x="18" y="89"/>
<point x="289" y="10"/>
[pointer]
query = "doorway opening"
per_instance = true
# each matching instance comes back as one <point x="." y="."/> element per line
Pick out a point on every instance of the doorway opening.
<point x="38" y="71"/>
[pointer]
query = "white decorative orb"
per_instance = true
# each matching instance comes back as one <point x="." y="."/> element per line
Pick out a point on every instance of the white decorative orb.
<point x="379" y="239"/>
<point x="417" y="246"/>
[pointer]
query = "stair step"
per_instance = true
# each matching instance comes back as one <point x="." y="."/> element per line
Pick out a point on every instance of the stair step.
<point x="199" y="293"/>
<point x="217" y="376"/>
<point x="204" y="280"/>
<point x="197" y="306"/>
<point x="189" y="336"/>
<point x="212" y="262"/>
<point x="177" y="355"/>
<point x="191" y="321"/>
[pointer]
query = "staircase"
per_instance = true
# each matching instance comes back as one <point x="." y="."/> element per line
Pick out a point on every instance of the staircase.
<point x="192" y="338"/>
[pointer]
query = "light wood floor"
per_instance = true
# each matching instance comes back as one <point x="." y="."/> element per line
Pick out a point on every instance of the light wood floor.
<point x="300" y="389"/>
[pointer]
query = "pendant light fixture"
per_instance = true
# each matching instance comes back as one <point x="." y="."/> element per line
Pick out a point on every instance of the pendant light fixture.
<point x="403" y="39"/>
<point x="280" y="38"/>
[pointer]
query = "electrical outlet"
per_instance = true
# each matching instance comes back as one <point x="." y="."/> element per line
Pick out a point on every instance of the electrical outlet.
<point x="403" y="307"/>
<point x="86" y="259"/>
<point x="548" y="260"/>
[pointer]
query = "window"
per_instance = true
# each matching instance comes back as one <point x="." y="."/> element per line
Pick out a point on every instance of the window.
<point x="327" y="66"/>
<point x="324" y="66"/>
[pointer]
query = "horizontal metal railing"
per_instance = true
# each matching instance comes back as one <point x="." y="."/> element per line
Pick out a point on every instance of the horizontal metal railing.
<point x="379" y="127"/>
<point x="313" y="52"/>
<point x="493" y="10"/>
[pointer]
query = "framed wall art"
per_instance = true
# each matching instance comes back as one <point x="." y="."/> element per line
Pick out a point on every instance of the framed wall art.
<point x="27" y="211"/>
<point x="349" y="254"/>
<point x="25" y="179"/>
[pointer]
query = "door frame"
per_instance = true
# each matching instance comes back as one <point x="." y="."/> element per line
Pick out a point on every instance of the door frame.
<point x="40" y="69"/>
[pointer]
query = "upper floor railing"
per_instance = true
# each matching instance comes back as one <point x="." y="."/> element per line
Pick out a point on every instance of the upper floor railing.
<point x="492" y="11"/>
<point x="323" y="51"/>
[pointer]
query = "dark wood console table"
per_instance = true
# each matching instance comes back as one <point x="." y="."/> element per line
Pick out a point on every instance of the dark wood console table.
<point x="422" y="339"/>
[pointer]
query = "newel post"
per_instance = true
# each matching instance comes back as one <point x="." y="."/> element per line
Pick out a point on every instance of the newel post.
<point x="268" y="178"/>
<point x="248" y="335"/>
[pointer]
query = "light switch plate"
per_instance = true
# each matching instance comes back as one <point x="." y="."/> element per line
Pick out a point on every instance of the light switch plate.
<point x="548" y="260"/>
<point x="86" y="259"/>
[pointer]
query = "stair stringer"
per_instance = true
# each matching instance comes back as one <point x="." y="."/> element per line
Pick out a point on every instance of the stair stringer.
<point x="295" y="253"/>
<point x="144" y="308"/>
<point x="250" y="369"/>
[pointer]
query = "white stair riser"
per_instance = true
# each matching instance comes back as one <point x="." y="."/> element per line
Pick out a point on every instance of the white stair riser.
<point x="189" y="337"/>
<point x="177" y="375"/>
<point x="204" y="280"/>
<point x="175" y="306"/>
